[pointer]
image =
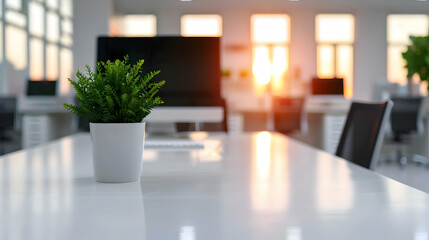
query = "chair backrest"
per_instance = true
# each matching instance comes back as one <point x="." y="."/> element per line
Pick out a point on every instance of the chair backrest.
<point x="363" y="133"/>
<point x="8" y="112"/>
<point x="406" y="115"/>
<point x="288" y="113"/>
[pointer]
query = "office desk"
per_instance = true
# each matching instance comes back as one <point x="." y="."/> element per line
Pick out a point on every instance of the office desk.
<point x="325" y="117"/>
<point x="259" y="186"/>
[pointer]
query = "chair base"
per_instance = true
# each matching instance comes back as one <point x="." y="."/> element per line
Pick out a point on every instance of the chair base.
<point x="404" y="159"/>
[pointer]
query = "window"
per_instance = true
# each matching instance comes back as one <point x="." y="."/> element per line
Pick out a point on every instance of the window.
<point x="270" y="51"/>
<point x="16" y="18"/>
<point x="1" y="44"/>
<point x="36" y="59"/>
<point x="399" y="29"/>
<point x="51" y="61"/>
<point x="67" y="8"/>
<point x="16" y="47"/>
<point x="15" y="4"/>
<point x="66" y="58"/>
<point x="36" y="14"/>
<point x="52" y="4"/>
<point x="201" y="25"/>
<point x="134" y="25"/>
<point x="334" y="38"/>
<point x="52" y="26"/>
<point x="35" y="52"/>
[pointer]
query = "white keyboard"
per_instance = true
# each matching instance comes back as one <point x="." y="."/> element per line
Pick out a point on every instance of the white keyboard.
<point x="173" y="144"/>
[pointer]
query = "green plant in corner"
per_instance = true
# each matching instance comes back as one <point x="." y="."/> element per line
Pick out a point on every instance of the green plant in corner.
<point x="117" y="93"/>
<point x="417" y="57"/>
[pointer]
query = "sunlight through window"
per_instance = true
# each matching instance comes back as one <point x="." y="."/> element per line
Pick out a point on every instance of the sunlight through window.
<point x="334" y="38"/>
<point x="36" y="59"/>
<point x="399" y="29"/>
<point x="270" y="51"/>
<point x="201" y="25"/>
<point x="134" y="25"/>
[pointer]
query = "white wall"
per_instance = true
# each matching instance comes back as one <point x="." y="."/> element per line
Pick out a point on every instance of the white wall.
<point x="91" y="19"/>
<point x="369" y="48"/>
<point x="370" y="52"/>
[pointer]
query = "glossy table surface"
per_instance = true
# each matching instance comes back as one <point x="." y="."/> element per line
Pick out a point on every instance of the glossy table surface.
<point x="246" y="186"/>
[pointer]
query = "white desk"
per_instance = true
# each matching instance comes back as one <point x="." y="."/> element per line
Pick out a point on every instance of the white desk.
<point x="259" y="187"/>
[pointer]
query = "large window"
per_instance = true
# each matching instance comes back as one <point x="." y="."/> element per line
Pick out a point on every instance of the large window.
<point x="143" y="25"/>
<point x="334" y="38"/>
<point x="399" y="29"/>
<point x="36" y="33"/>
<point x="203" y="25"/>
<point x="270" y="48"/>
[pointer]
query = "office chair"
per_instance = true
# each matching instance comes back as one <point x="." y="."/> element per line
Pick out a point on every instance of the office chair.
<point x="406" y="119"/>
<point x="288" y="114"/>
<point x="9" y="139"/>
<point x="8" y="115"/>
<point x="363" y="133"/>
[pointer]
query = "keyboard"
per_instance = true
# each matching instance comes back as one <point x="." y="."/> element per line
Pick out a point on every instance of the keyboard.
<point x="175" y="144"/>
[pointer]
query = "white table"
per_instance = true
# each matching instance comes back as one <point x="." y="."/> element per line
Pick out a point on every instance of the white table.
<point x="259" y="186"/>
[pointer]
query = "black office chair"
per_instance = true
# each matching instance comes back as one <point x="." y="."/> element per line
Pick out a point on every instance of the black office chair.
<point x="9" y="137"/>
<point x="288" y="114"/>
<point x="8" y="116"/>
<point x="406" y="119"/>
<point x="363" y="133"/>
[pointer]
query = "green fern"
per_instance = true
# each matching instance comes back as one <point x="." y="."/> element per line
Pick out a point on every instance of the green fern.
<point x="117" y="93"/>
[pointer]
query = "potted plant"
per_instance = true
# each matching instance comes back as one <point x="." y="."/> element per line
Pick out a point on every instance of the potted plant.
<point x="115" y="100"/>
<point x="417" y="58"/>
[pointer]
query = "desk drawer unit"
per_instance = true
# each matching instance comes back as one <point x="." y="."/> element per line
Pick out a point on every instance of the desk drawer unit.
<point x="332" y="128"/>
<point x="37" y="129"/>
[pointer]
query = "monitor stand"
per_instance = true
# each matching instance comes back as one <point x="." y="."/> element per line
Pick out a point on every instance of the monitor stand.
<point x="162" y="121"/>
<point x="161" y="129"/>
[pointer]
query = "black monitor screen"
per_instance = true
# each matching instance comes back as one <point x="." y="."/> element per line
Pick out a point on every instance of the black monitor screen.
<point x="327" y="86"/>
<point x="41" y="88"/>
<point x="189" y="65"/>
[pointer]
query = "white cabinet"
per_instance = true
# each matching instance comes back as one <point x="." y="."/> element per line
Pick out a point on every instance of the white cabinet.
<point x="332" y="128"/>
<point x="235" y="123"/>
<point x="44" y="119"/>
<point x="37" y="129"/>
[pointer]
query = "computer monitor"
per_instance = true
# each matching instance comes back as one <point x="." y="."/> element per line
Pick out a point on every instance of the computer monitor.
<point x="327" y="86"/>
<point x="41" y="88"/>
<point x="189" y="65"/>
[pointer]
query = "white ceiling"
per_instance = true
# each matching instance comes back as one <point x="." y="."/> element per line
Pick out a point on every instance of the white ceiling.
<point x="213" y="6"/>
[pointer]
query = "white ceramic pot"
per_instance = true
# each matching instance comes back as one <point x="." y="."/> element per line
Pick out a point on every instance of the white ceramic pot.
<point x="117" y="151"/>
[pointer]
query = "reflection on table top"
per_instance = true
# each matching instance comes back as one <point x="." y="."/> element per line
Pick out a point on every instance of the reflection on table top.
<point x="247" y="186"/>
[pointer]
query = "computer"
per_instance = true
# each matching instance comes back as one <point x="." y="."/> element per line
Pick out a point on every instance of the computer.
<point x="41" y="88"/>
<point x="189" y="65"/>
<point x="332" y="87"/>
<point x="326" y="91"/>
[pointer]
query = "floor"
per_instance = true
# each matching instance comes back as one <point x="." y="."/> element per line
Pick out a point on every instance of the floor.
<point x="412" y="174"/>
